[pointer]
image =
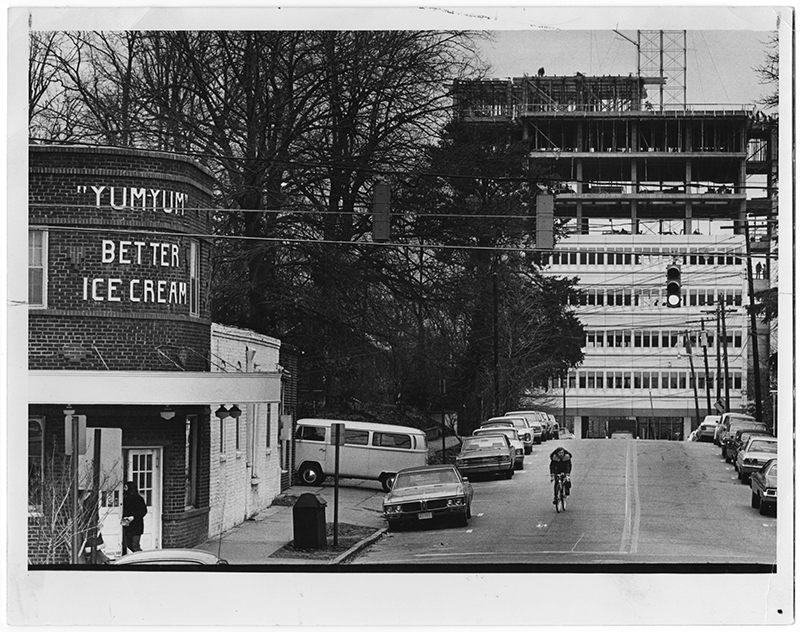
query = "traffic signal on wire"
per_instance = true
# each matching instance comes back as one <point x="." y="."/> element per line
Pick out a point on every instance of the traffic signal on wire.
<point x="381" y="196"/>
<point x="674" y="298"/>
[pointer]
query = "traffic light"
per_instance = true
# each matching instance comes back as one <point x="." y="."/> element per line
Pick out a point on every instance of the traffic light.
<point x="544" y="221"/>
<point x="381" y="195"/>
<point x="674" y="298"/>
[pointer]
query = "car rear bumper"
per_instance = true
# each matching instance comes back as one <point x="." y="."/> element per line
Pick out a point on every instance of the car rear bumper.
<point x="485" y="468"/>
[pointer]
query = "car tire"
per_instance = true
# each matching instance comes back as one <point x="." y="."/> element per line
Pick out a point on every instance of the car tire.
<point x="387" y="480"/>
<point x="755" y="501"/>
<point x="509" y="473"/>
<point x="528" y="449"/>
<point x="462" y="520"/>
<point x="745" y="478"/>
<point x="469" y="511"/>
<point x="310" y="474"/>
<point x="763" y="508"/>
<point x="739" y="475"/>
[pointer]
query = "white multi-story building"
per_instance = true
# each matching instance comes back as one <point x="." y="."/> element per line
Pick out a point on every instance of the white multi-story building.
<point x="636" y="188"/>
<point x="650" y="368"/>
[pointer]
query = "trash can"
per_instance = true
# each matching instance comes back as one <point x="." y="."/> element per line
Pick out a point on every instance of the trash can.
<point x="309" y="522"/>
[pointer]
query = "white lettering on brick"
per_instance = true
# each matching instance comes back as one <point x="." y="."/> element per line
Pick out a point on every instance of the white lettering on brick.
<point x="113" y="288"/>
<point x="108" y="251"/>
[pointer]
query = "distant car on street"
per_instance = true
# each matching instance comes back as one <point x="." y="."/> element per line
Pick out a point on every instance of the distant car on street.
<point x="170" y="557"/>
<point x="764" y="487"/>
<point x="705" y="432"/>
<point x="621" y="434"/>
<point x="730" y="424"/>
<point x="739" y="440"/>
<point x="424" y="493"/>
<point x="486" y="455"/>
<point x="524" y="431"/>
<point x="756" y="452"/>
<point x="563" y="433"/>
<point x="511" y="434"/>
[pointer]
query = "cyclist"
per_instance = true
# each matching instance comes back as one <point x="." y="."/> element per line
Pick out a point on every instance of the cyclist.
<point x="560" y="462"/>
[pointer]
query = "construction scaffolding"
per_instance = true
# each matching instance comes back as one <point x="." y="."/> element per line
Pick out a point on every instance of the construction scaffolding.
<point x="511" y="98"/>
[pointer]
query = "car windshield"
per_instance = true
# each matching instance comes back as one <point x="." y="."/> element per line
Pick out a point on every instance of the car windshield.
<point x="420" y="479"/>
<point x="760" y="445"/>
<point x="774" y="469"/>
<point x="510" y="432"/>
<point x="483" y="443"/>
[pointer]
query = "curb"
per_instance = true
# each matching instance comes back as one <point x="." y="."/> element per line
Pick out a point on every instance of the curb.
<point x="359" y="546"/>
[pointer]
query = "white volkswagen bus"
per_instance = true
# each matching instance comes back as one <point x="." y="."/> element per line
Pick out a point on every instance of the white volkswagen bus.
<point x="369" y="451"/>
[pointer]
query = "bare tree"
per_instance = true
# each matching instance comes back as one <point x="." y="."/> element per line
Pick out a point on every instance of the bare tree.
<point x="769" y="71"/>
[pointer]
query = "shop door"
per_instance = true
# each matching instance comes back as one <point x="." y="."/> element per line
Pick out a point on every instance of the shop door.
<point x="143" y="466"/>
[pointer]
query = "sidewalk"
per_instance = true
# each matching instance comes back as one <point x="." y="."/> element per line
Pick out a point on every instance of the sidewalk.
<point x="256" y="539"/>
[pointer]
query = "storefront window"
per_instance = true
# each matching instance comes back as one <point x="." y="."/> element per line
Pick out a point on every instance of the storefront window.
<point x="194" y="278"/>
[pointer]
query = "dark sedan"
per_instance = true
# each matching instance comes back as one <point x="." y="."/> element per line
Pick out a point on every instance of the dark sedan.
<point x="738" y="441"/>
<point x="764" y="487"/>
<point x="424" y="493"/>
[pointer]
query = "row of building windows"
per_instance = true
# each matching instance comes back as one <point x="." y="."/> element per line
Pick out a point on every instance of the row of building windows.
<point x="639" y="256"/>
<point x="644" y="380"/>
<point x="654" y="296"/>
<point x="655" y="338"/>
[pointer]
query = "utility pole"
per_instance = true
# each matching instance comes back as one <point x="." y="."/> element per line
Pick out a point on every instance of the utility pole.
<point x="719" y="359"/>
<point x="705" y="363"/>
<point x="725" y="355"/>
<point x="496" y="342"/>
<point x="688" y="342"/>
<point x="753" y="334"/>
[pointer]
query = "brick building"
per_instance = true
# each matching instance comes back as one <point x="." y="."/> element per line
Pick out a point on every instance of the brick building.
<point x="119" y="335"/>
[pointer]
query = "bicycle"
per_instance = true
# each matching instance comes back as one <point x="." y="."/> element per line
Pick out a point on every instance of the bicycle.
<point x="559" y="493"/>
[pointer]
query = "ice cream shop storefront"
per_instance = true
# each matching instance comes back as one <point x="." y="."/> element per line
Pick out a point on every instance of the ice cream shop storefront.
<point x="119" y="331"/>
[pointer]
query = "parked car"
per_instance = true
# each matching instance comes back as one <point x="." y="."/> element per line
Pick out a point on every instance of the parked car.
<point x="511" y="434"/>
<point x="425" y="493"/>
<point x="621" y="434"/>
<point x="756" y="452"/>
<point x="731" y="422"/>
<point x="534" y="418"/>
<point x="524" y="430"/>
<point x="553" y="425"/>
<point x="764" y="487"/>
<point x="738" y="441"/>
<point x="724" y="423"/>
<point x="486" y="455"/>
<point x="170" y="557"/>
<point x="705" y="432"/>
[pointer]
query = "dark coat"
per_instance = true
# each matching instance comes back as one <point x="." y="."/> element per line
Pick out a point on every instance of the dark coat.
<point x="559" y="465"/>
<point x="133" y="505"/>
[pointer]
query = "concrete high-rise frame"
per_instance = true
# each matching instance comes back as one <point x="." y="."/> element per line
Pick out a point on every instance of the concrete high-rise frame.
<point x="636" y="187"/>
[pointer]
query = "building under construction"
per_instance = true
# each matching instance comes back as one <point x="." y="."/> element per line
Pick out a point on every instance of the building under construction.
<point x="639" y="185"/>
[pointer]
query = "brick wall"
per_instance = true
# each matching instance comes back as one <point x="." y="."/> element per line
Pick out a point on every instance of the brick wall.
<point x="117" y="288"/>
<point x="121" y="225"/>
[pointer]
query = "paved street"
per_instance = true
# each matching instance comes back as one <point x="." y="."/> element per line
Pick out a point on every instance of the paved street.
<point x="633" y="502"/>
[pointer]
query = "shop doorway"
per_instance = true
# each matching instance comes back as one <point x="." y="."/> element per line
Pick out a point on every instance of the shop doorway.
<point x="143" y="466"/>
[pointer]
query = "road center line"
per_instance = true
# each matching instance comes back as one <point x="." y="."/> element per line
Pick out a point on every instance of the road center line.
<point x="626" y="529"/>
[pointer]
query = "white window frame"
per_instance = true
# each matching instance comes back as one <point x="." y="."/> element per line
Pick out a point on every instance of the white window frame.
<point x="194" y="278"/>
<point x="45" y="242"/>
